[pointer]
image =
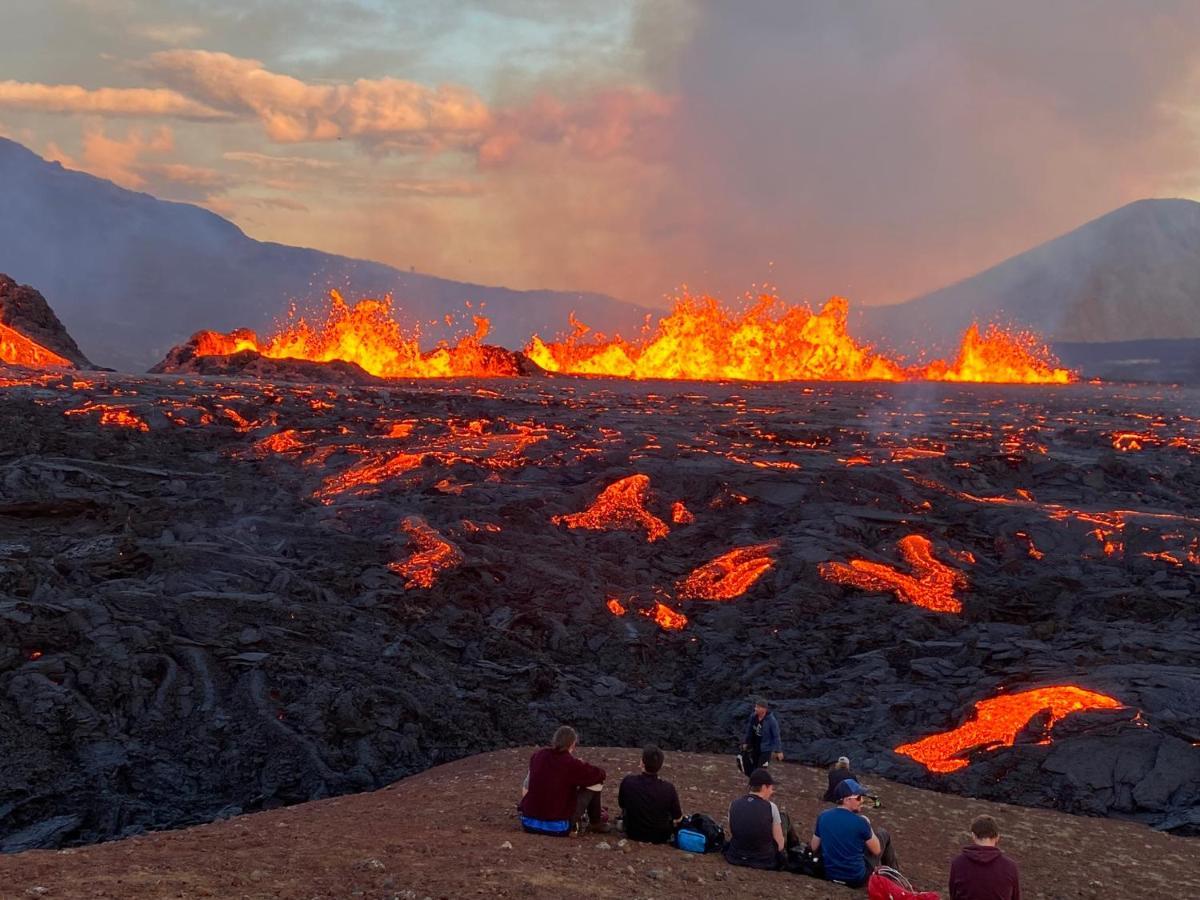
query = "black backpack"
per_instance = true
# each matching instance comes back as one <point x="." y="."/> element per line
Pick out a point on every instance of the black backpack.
<point x="714" y="834"/>
<point x="802" y="860"/>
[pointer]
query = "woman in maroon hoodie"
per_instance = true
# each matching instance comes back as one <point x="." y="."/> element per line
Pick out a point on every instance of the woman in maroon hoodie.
<point x="560" y="787"/>
<point x="981" y="871"/>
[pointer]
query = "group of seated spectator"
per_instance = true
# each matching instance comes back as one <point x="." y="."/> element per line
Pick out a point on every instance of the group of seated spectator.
<point x="562" y="796"/>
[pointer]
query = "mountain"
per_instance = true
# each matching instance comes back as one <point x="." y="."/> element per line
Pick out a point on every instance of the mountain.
<point x="132" y="276"/>
<point x="29" y="318"/>
<point x="1133" y="274"/>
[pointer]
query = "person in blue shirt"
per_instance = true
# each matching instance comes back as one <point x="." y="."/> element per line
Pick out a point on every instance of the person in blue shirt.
<point x="850" y="847"/>
<point x="760" y="739"/>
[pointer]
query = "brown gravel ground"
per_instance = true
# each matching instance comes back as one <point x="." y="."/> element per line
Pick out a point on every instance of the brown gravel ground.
<point x="446" y="833"/>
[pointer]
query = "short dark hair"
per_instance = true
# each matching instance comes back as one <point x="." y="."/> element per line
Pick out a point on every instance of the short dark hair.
<point x="652" y="759"/>
<point x="564" y="738"/>
<point x="985" y="827"/>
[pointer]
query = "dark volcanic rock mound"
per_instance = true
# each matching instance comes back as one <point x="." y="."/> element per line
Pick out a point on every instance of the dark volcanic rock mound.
<point x="25" y="310"/>
<point x="218" y="596"/>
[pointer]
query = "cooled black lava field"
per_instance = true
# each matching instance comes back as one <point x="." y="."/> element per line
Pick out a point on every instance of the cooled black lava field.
<point x="221" y="595"/>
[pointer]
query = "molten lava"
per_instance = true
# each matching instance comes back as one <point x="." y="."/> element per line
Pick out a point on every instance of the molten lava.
<point x="620" y="506"/>
<point x="997" y="722"/>
<point x="432" y="554"/>
<point x="365" y="334"/>
<point x="114" y="416"/>
<point x="18" y="350"/>
<point x="774" y="341"/>
<point x="367" y="475"/>
<point x="667" y="618"/>
<point x="729" y="575"/>
<point x="932" y="585"/>
<point x="615" y="607"/>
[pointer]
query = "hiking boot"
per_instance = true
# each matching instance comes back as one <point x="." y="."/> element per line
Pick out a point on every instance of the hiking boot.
<point x="740" y="764"/>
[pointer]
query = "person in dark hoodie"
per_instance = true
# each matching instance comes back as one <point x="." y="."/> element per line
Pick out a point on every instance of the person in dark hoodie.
<point x="760" y="739"/>
<point x="840" y="772"/>
<point x="560" y="788"/>
<point x="982" y="871"/>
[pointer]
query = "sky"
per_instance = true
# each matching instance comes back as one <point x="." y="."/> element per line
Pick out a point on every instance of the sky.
<point x="876" y="149"/>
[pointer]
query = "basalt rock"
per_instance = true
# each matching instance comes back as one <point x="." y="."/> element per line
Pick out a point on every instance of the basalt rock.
<point x="26" y="312"/>
<point x="234" y="607"/>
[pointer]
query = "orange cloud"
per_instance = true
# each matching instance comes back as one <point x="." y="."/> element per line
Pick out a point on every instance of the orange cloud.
<point x="114" y="158"/>
<point x="292" y="110"/>
<point x="71" y="98"/>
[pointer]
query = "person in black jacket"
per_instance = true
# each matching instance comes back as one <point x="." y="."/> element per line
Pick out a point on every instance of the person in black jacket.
<point x="839" y="773"/>
<point x="649" y="805"/>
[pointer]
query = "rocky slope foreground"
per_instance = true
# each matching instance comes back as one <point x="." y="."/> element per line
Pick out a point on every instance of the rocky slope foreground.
<point x="450" y="832"/>
<point x="221" y="596"/>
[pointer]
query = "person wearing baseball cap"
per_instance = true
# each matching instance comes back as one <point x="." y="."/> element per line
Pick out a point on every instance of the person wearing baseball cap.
<point x="850" y="847"/>
<point x="760" y="738"/>
<point x="756" y="826"/>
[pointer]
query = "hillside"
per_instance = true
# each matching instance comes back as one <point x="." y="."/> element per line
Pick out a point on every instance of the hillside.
<point x="131" y="275"/>
<point x="1133" y="274"/>
<point x="447" y="833"/>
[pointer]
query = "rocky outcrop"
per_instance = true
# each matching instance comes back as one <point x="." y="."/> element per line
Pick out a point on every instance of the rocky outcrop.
<point x="25" y="311"/>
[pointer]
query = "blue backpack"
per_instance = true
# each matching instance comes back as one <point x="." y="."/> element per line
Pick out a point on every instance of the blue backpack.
<point x="699" y="833"/>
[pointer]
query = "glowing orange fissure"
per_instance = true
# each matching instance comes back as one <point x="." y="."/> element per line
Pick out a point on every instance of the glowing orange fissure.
<point x="432" y="554"/>
<point x="998" y="721"/>
<point x="729" y="575"/>
<point x="18" y="350"/>
<point x="698" y="340"/>
<point x="116" y="416"/>
<point x="775" y="341"/>
<point x="620" y="506"/>
<point x="368" y="335"/>
<point x="932" y="586"/>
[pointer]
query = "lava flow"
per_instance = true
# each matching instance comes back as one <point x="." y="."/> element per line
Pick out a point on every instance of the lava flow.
<point x="367" y="335"/>
<point x="998" y="721"/>
<point x="18" y="350"/>
<point x="932" y="585"/>
<point x="432" y="554"/>
<point x="620" y="506"/>
<point x="729" y="575"/>
<point x="774" y="341"/>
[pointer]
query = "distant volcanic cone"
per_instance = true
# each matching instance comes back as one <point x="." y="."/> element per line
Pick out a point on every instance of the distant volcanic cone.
<point x="31" y="334"/>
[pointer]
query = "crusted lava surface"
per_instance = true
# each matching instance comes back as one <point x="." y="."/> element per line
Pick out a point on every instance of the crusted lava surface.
<point x="223" y="594"/>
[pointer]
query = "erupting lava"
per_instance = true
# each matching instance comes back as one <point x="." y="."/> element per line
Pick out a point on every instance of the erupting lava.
<point x="932" y="586"/>
<point x="729" y="575"/>
<point x="998" y="721"/>
<point x="18" y="350"/>
<point x="366" y="334"/>
<point x="699" y="340"/>
<point x="774" y="341"/>
<point x="620" y="506"/>
<point x="432" y="554"/>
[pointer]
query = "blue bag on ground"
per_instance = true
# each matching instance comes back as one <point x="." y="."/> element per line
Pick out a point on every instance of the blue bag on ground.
<point x="691" y="841"/>
<point x="699" y="833"/>
<point x="545" y="826"/>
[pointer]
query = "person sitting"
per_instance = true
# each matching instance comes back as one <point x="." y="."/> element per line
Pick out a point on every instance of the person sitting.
<point x="760" y="738"/>
<point x="756" y="826"/>
<point x="850" y="848"/>
<point x="982" y="871"/>
<point x="560" y="788"/>
<point x="649" y="804"/>
<point x="839" y="773"/>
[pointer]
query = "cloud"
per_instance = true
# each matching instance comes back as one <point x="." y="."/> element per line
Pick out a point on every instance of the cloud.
<point x="292" y="110"/>
<point x="71" y="98"/>
<point x="117" y="159"/>
<point x="173" y="33"/>
<point x="267" y="161"/>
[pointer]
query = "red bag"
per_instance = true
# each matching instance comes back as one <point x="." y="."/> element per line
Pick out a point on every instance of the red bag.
<point x="886" y="883"/>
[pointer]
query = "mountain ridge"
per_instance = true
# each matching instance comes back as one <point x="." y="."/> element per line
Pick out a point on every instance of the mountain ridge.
<point x="131" y="275"/>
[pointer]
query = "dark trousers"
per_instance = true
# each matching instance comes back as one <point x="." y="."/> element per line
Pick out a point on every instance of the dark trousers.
<point x="587" y="802"/>
<point x="887" y="853"/>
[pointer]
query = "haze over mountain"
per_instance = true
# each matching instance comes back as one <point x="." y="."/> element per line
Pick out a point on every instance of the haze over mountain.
<point x="1133" y="274"/>
<point x="130" y="275"/>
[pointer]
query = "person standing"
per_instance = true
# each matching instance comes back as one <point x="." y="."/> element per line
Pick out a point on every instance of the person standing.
<point x="756" y="826"/>
<point x="982" y="871"/>
<point x="760" y="738"/>
<point x="649" y="805"/>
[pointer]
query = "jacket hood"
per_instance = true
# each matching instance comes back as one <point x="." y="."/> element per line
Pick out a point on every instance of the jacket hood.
<point x="978" y="853"/>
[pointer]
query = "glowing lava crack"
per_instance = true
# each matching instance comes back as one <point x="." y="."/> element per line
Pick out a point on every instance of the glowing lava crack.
<point x="932" y="586"/>
<point x="998" y="721"/>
